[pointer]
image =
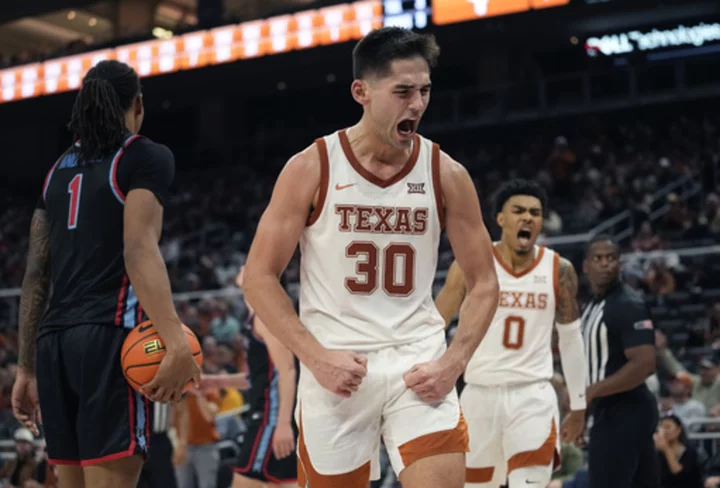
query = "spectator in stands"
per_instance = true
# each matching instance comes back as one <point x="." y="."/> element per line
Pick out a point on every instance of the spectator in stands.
<point x="679" y="464"/>
<point x="561" y="164"/>
<point x="201" y="463"/>
<point x="706" y="385"/>
<point x="22" y="469"/>
<point x="224" y="326"/>
<point x="205" y="317"/>
<point x="712" y="465"/>
<point x="683" y="406"/>
<point x="676" y="220"/>
<point x="709" y="217"/>
<point x="646" y="240"/>
<point x="659" y="280"/>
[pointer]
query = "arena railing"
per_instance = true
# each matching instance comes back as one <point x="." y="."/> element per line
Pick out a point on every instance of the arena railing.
<point x="621" y="226"/>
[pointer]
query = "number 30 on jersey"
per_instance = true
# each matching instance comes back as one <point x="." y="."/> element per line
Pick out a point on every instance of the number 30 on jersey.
<point x="368" y="268"/>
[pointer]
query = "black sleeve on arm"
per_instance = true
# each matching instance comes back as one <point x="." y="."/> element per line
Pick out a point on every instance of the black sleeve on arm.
<point x="631" y="321"/>
<point x="150" y="166"/>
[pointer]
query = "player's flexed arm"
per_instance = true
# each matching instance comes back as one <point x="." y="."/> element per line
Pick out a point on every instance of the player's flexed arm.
<point x="277" y="236"/>
<point x="450" y="298"/>
<point x="473" y="251"/>
<point x="572" y="354"/>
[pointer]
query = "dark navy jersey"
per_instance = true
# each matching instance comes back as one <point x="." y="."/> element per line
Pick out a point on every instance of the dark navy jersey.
<point x="262" y="374"/>
<point x="84" y="204"/>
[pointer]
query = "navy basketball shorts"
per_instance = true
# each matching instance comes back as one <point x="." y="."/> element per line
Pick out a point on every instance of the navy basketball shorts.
<point x="90" y="414"/>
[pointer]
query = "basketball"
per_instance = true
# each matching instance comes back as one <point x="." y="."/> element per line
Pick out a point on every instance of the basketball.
<point x="143" y="350"/>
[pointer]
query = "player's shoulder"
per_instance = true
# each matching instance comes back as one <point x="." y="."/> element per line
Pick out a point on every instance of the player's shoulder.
<point x="306" y="170"/>
<point x="141" y="146"/>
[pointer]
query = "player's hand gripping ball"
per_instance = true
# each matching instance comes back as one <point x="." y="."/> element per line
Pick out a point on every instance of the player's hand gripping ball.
<point x="143" y="350"/>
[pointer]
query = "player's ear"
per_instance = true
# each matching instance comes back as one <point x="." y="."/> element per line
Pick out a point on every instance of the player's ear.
<point x="500" y="219"/>
<point x="360" y="91"/>
<point x="585" y="268"/>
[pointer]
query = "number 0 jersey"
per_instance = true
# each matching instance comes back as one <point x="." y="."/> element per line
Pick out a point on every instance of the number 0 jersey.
<point x="518" y="345"/>
<point x="369" y="252"/>
<point x="85" y="211"/>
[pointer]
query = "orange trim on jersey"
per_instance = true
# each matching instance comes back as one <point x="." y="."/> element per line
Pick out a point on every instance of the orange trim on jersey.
<point x="479" y="475"/>
<point x="376" y="180"/>
<point x="308" y="476"/>
<point x="443" y="442"/>
<point x="437" y="185"/>
<point x="556" y="276"/>
<point x="324" y="181"/>
<point x="509" y="270"/>
<point x="543" y="456"/>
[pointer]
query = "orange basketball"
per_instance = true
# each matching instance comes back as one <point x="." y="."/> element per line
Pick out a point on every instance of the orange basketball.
<point x="143" y="350"/>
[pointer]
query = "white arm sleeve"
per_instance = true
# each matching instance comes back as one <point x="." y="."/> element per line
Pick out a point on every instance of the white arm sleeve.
<point x="572" y="356"/>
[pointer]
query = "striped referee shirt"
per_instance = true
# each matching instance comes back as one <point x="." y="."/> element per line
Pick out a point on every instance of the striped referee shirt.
<point x="161" y="417"/>
<point x="612" y="323"/>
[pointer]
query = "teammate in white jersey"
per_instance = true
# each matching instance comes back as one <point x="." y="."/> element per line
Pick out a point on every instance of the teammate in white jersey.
<point x="509" y="403"/>
<point x="367" y="205"/>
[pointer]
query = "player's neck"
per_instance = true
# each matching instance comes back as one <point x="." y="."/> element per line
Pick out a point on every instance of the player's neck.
<point x="516" y="262"/>
<point x="366" y="144"/>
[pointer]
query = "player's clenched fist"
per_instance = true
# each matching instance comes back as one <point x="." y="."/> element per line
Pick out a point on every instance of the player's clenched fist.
<point x="340" y="372"/>
<point x="433" y="380"/>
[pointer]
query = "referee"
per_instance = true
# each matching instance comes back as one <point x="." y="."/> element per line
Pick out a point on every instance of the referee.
<point x="620" y="348"/>
<point x="158" y="471"/>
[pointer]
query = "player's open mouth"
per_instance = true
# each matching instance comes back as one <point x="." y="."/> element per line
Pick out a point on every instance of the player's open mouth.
<point x="407" y="128"/>
<point x="524" y="237"/>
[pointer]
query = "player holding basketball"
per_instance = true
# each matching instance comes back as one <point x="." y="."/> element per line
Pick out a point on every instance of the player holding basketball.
<point x="267" y="458"/>
<point x="94" y="237"/>
<point x="511" y="408"/>
<point x="367" y="205"/>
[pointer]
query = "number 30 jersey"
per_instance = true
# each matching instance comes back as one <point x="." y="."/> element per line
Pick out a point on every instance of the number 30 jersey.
<point x="517" y="348"/>
<point x="370" y="250"/>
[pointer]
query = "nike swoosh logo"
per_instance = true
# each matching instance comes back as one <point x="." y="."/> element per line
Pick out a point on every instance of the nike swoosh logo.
<point x="145" y="326"/>
<point x="339" y="187"/>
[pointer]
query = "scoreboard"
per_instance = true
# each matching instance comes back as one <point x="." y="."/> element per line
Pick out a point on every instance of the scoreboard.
<point x="411" y="14"/>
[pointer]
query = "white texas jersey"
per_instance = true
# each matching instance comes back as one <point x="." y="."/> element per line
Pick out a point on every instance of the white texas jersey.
<point x="518" y="345"/>
<point x="369" y="252"/>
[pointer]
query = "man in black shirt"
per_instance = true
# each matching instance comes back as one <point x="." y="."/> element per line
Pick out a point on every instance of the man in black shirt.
<point x="620" y="348"/>
<point x="94" y="242"/>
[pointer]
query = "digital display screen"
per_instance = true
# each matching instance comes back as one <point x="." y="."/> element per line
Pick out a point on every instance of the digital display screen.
<point x="410" y="14"/>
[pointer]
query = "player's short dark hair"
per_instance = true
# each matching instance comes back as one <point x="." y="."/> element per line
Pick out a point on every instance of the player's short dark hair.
<point x="98" y="116"/>
<point x="601" y="238"/>
<point x="519" y="187"/>
<point x="378" y="49"/>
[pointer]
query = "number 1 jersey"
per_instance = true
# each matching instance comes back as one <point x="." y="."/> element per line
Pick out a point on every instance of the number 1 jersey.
<point x="370" y="250"/>
<point x="85" y="211"/>
<point x="517" y="348"/>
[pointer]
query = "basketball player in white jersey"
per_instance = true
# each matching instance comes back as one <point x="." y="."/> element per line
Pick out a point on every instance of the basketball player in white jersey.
<point x="509" y="403"/>
<point x="367" y="205"/>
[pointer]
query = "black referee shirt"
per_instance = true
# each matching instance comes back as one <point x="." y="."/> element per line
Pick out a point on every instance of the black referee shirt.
<point x="612" y="323"/>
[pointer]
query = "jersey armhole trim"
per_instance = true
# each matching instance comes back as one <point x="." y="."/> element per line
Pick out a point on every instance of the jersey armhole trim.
<point x="113" y="169"/>
<point x="556" y="276"/>
<point x="46" y="185"/>
<point x="435" y="163"/>
<point x="324" y="181"/>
